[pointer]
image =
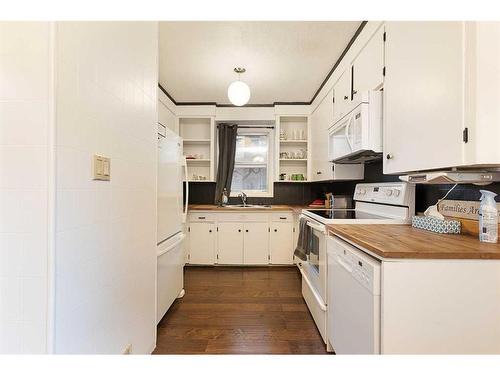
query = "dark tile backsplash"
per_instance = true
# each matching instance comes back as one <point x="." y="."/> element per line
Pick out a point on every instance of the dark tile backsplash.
<point x="305" y="193"/>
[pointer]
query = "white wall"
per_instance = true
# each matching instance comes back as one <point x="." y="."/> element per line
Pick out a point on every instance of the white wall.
<point x="25" y="102"/>
<point x="106" y="231"/>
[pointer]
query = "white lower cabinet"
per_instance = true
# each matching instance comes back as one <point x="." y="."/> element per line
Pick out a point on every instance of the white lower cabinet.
<point x="281" y="241"/>
<point x="230" y="243"/>
<point x="256" y="243"/>
<point x="201" y="243"/>
<point x="241" y="239"/>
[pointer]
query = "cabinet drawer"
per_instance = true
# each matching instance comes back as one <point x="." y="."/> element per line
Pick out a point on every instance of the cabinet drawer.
<point x="194" y="217"/>
<point x="243" y="216"/>
<point x="284" y="217"/>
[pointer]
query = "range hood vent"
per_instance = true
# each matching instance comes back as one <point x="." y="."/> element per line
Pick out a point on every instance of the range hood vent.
<point x="359" y="157"/>
<point x="452" y="177"/>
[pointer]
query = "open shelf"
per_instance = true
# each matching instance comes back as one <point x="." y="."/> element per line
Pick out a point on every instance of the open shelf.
<point x="191" y="140"/>
<point x="294" y="141"/>
<point x="198" y="134"/>
<point x="198" y="160"/>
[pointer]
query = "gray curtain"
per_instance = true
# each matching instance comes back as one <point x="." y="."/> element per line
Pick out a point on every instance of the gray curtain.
<point x="225" y="167"/>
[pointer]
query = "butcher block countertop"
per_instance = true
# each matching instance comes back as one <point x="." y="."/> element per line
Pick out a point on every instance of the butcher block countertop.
<point x="404" y="241"/>
<point x="274" y="207"/>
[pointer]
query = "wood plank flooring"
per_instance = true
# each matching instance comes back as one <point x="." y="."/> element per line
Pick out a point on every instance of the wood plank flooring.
<point x="239" y="310"/>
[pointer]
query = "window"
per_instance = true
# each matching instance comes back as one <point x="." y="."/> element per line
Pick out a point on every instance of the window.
<point x="252" y="166"/>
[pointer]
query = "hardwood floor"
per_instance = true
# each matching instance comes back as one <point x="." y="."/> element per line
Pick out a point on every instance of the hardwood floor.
<point x="239" y="310"/>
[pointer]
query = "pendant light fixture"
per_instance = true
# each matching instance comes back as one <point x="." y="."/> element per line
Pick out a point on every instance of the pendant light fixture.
<point x="238" y="91"/>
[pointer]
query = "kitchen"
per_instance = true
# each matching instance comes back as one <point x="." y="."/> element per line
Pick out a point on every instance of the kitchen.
<point x="250" y="187"/>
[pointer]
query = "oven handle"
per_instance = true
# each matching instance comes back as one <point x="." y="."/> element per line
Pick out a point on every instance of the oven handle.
<point x="320" y="228"/>
<point x="313" y="291"/>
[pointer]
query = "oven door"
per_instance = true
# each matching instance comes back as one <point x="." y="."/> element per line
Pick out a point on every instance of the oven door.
<point x="315" y="267"/>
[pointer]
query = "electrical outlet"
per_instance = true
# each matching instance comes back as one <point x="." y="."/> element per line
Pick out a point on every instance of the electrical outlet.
<point x="101" y="168"/>
<point x="128" y="349"/>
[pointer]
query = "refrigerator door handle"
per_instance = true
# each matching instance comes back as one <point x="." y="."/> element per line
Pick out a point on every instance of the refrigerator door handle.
<point x="186" y="174"/>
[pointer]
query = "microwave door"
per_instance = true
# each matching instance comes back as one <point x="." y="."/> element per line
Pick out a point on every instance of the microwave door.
<point x="339" y="143"/>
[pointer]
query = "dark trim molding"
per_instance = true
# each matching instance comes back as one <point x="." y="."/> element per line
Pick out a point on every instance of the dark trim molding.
<point x="354" y="37"/>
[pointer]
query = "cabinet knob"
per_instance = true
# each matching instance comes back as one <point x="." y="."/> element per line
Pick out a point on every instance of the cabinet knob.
<point x="318" y="172"/>
<point x="275" y="230"/>
<point x="210" y="231"/>
<point x="346" y="97"/>
<point x="389" y="156"/>
<point x="246" y="230"/>
<point x="239" y="230"/>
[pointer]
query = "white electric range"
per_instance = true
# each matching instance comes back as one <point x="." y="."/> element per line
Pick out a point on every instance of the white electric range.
<point x="375" y="203"/>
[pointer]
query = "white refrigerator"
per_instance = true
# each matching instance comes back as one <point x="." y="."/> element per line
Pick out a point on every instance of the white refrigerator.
<point x="171" y="213"/>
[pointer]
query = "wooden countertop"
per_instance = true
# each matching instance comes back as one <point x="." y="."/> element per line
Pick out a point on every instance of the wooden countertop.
<point x="404" y="241"/>
<point x="275" y="207"/>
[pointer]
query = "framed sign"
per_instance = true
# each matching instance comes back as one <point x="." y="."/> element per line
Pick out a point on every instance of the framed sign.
<point x="462" y="209"/>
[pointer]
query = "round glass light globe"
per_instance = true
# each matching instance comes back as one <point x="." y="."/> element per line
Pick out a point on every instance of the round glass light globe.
<point x="238" y="93"/>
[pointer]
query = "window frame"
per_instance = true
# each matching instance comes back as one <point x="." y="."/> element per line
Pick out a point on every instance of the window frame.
<point x="269" y="193"/>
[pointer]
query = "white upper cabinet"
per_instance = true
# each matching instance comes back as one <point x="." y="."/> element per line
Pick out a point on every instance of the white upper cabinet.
<point x="482" y="112"/>
<point x="321" y="120"/>
<point x="423" y="96"/>
<point x="368" y="67"/>
<point x="342" y="95"/>
<point x="441" y="95"/>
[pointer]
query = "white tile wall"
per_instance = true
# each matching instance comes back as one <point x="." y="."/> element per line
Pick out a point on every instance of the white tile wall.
<point x="24" y="108"/>
<point x="106" y="231"/>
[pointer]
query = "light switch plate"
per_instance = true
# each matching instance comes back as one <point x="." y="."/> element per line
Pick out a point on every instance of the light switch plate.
<point x="101" y="167"/>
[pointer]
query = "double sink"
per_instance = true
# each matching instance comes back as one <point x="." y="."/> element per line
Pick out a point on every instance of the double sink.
<point x="248" y="206"/>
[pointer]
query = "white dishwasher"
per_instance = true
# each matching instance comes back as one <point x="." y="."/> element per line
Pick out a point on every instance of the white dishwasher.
<point x="353" y="312"/>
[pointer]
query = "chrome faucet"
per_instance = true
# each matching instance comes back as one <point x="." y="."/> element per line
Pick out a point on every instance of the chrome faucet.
<point x="243" y="198"/>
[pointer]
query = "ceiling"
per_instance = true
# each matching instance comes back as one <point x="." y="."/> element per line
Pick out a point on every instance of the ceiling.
<point x="285" y="61"/>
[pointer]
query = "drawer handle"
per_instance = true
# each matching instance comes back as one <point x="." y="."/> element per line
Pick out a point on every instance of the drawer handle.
<point x="201" y="217"/>
<point x="282" y="218"/>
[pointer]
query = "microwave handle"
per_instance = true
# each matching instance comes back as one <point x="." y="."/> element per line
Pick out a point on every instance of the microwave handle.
<point x="348" y="126"/>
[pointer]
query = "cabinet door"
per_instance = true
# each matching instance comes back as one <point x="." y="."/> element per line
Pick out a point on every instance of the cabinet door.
<point x="256" y="243"/>
<point x="342" y="95"/>
<point x="201" y="243"/>
<point x="321" y="120"/>
<point x="368" y="66"/>
<point x="281" y="243"/>
<point x="423" y="95"/>
<point x="230" y="243"/>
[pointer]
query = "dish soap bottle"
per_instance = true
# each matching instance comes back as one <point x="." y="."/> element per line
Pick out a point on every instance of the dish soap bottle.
<point x="488" y="217"/>
<point x="224" y="198"/>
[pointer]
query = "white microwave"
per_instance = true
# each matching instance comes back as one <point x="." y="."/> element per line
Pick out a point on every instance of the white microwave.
<point x="357" y="137"/>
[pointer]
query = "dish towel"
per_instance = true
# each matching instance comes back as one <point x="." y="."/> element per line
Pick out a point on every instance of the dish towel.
<point x="303" y="249"/>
